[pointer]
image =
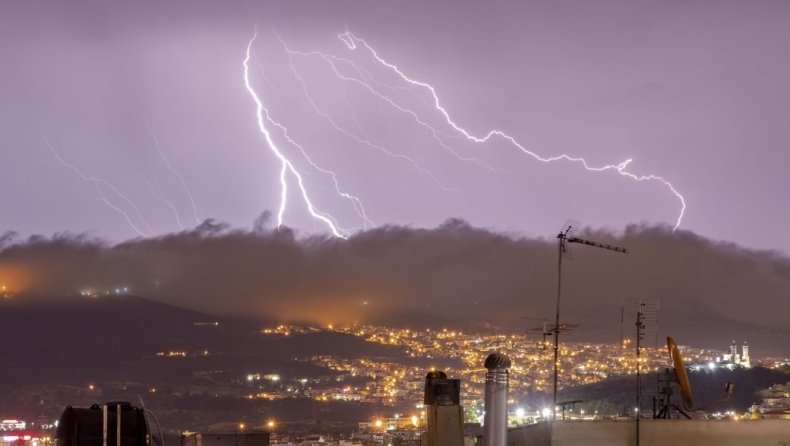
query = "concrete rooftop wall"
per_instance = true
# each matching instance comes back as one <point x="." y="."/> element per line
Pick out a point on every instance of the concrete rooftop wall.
<point x="653" y="433"/>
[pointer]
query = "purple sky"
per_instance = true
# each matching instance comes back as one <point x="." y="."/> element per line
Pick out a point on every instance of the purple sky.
<point x="695" y="92"/>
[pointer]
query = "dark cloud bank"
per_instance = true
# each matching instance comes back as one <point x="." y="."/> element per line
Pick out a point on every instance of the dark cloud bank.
<point x="453" y="274"/>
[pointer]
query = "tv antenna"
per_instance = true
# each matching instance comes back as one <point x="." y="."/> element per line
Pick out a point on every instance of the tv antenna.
<point x="640" y="333"/>
<point x="649" y="310"/>
<point x="566" y="236"/>
<point x="546" y="330"/>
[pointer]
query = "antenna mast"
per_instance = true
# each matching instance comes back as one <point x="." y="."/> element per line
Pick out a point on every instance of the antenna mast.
<point x="640" y="332"/>
<point x="566" y="236"/>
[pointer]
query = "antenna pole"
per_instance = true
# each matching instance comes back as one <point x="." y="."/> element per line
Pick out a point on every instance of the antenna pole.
<point x="622" y="326"/>
<point x="562" y="236"/>
<point x="565" y="236"/>
<point x="640" y="327"/>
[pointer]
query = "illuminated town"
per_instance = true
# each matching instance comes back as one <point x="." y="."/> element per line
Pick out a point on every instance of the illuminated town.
<point x="393" y="382"/>
<point x="388" y="391"/>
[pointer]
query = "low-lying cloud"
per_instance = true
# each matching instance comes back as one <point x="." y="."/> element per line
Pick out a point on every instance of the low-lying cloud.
<point x="401" y="275"/>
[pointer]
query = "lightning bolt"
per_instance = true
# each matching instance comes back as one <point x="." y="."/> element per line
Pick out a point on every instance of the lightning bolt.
<point x="352" y="42"/>
<point x="331" y="59"/>
<point x="262" y="114"/>
<point x="98" y="182"/>
<point x="365" y="141"/>
<point x="365" y="79"/>
<point x="183" y="181"/>
<point x="163" y="198"/>
<point x="359" y="208"/>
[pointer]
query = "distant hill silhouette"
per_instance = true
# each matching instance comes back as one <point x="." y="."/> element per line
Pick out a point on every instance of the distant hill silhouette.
<point x="692" y="325"/>
<point x="334" y="344"/>
<point x="54" y="351"/>
<point x="620" y="392"/>
<point x="98" y="331"/>
<point x="83" y="339"/>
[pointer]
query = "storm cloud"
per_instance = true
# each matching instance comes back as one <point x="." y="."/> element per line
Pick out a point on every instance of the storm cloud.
<point x="400" y="275"/>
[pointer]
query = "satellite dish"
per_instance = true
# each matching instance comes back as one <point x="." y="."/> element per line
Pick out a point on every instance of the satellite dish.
<point x="681" y="377"/>
<point x="680" y="372"/>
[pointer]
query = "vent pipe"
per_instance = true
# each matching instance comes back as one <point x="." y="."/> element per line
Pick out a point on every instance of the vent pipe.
<point x="495" y="419"/>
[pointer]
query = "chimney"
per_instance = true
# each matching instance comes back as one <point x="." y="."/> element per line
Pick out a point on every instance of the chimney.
<point x="495" y="420"/>
<point x="445" y="414"/>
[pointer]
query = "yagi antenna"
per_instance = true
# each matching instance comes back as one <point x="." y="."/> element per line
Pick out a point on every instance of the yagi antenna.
<point x="567" y="231"/>
<point x="546" y="330"/>
<point x="566" y="236"/>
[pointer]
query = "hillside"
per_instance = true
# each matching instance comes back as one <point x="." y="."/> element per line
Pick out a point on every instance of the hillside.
<point x="619" y="393"/>
<point x="112" y="337"/>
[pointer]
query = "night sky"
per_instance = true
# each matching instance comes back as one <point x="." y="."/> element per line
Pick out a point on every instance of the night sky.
<point x="148" y="101"/>
<point x="211" y="155"/>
